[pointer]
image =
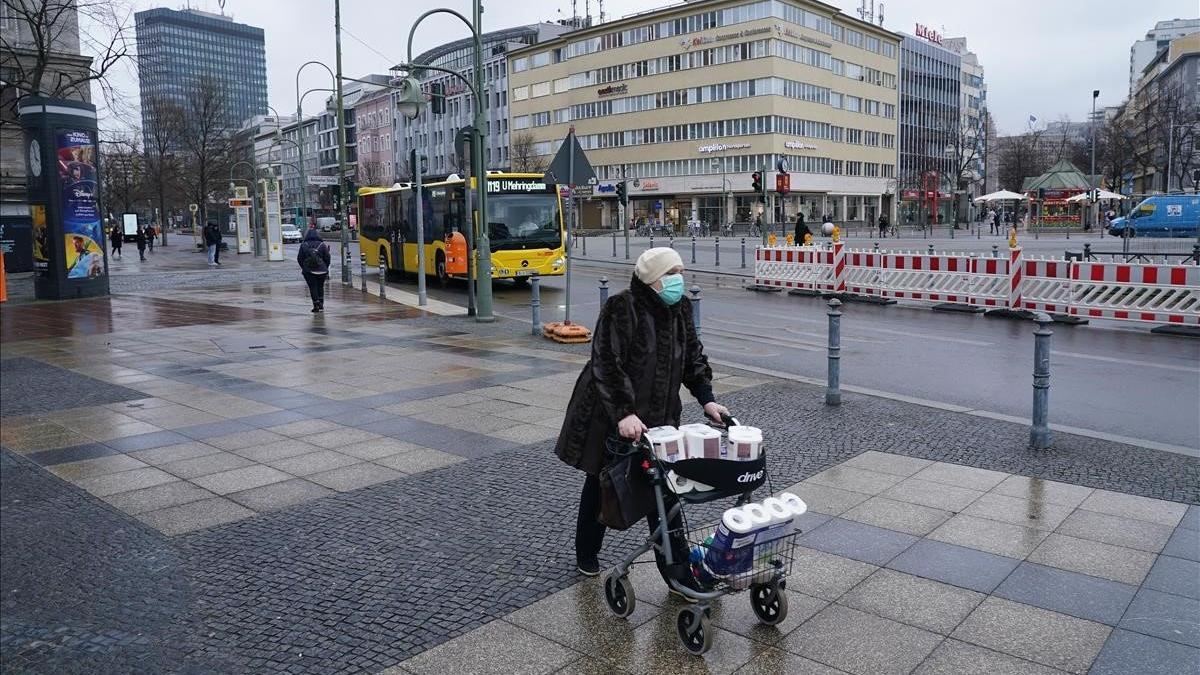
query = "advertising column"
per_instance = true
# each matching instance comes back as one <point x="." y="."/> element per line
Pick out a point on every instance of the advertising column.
<point x="241" y="205"/>
<point x="270" y="191"/>
<point x="64" y="192"/>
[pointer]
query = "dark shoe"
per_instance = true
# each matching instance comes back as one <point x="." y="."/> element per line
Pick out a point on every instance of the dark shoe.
<point x="588" y="567"/>
<point x="316" y="308"/>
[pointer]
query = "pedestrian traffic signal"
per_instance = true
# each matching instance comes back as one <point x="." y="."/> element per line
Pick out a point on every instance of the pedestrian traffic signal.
<point x="437" y="98"/>
<point x="622" y="195"/>
<point x="757" y="182"/>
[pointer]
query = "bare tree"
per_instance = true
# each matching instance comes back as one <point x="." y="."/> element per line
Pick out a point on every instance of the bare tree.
<point x="523" y="154"/>
<point x="1019" y="157"/>
<point x="42" y="53"/>
<point x="161" y="162"/>
<point x="123" y="173"/>
<point x="370" y="173"/>
<point x="965" y="152"/>
<point x="204" y="141"/>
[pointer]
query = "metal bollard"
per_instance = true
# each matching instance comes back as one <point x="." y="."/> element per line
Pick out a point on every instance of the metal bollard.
<point x="717" y="251"/>
<point x="651" y="240"/>
<point x="1039" y="433"/>
<point x="382" y="278"/>
<point x="693" y="249"/>
<point x="614" y="238"/>
<point x="362" y="271"/>
<point x="931" y="249"/>
<point x="995" y="251"/>
<point x="627" y="246"/>
<point x="584" y="246"/>
<point x="671" y="241"/>
<point x="695" y="291"/>
<point x="876" y="247"/>
<point x="743" y="253"/>
<point x="603" y="290"/>
<point x="833" y="385"/>
<point x="535" y="303"/>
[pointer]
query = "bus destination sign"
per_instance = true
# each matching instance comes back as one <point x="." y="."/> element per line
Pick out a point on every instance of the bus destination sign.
<point x="510" y="185"/>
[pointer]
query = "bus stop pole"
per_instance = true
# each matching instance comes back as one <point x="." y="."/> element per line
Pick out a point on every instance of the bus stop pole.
<point x="416" y="164"/>
<point x="570" y="222"/>
<point x="469" y="226"/>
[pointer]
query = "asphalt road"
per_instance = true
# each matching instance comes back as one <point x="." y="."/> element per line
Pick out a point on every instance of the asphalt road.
<point x="1106" y="377"/>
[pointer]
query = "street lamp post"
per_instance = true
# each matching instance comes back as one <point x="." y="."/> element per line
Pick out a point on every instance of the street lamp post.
<point x="1092" y="176"/>
<point x="300" y="128"/>
<point x="410" y="103"/>
<point x="343" y="210"/>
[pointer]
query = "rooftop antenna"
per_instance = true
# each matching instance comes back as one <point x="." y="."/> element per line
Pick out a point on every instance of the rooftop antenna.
<point x="881" y="14"/>
<point x="601" y="11"/>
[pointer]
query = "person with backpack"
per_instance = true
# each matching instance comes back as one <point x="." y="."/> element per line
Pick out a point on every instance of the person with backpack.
<point x="313" y="257"/>
<point x="150" y="237"/>
<point x="140" y="238"/>
<point x="212" y="240"/>
<point x="115" y="236"/>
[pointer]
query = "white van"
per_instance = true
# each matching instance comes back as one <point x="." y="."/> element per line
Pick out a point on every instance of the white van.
<point x="328" y="224"/>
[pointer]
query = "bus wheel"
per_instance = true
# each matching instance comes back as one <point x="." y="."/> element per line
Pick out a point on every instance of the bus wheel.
<point x="442" y="277"/>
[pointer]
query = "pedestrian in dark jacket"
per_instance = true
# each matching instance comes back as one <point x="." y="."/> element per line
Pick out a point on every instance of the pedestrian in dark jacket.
<point x="644" y="347"/>
<point x="313" y="257"/>
<point x="883" y="225"/>
<point x="150" y="232"/>
<point x="140" y="238"/>
<point x="212" y="241"/>
<point x="801" y="229"/>
<point x="116" y="236"/>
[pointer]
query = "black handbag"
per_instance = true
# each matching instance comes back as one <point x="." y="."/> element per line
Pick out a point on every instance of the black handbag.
<point x="625" y="495"/>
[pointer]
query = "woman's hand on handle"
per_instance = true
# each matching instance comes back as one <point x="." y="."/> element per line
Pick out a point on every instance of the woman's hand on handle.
<point x="716" y="412"/>
<point x="631" y="427"/>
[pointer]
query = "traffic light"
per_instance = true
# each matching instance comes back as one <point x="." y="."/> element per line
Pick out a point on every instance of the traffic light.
<point x="437" y="98"/>
<point x="756" y="184"/>
<point x="622" y="195"/>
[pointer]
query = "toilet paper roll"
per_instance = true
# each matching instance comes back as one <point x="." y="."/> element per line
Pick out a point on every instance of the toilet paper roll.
<point x="757" y="514"/>
<point x="737" y="521"/>
<point x="779" y="511"/>
<point x="794" y="503"/>
<point x="679" y="484"/>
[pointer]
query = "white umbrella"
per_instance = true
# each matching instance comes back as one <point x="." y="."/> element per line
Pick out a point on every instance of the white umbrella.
<point x="1104" y="194"/>
<point x="1000" y="196"/>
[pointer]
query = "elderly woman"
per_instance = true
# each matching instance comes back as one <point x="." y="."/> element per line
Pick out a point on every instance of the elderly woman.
<point x="644" y="347"/>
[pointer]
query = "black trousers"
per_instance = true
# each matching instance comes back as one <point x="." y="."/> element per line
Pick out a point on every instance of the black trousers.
<point x="316" y="286"/>
<point x="589" y="531"/>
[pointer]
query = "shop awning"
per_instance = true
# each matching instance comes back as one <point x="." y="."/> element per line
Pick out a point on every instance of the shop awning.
<point x="1104" y="194"/>
<point x="1002" y="195"/>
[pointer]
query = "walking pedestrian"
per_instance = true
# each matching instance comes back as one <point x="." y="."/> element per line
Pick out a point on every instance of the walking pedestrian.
<point x="140" y="238"/>
<point x="883" y="225"/>
<point x="996" y="222"/>
<point x="212" y="240"/>
<point x="115" y="236"/>
<point x="644" y="347"/>
<point x="801" y="229"/>
<point x="150" y="232"/>
<point x="219" y="236"/>
<point x="313" y="257"/>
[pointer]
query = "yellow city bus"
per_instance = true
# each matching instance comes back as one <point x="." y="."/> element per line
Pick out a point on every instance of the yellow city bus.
<point x="525" y="226"/>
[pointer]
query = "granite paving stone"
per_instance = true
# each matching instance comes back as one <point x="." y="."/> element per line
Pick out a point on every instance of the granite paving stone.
<point x="279" y="495"/>
<point x="912" y="600"/>
<point x="1115" y="530"/>
<point x="1034" y="634"/>
<point x="1125" y="565"/>
<point x="87" y="468"/>
<point x="275" y="451"/>
<point x="934" y="495"/>
<point x="1175" y="575"/>
<point x="176" y="520"/>
<point x="338" y="437"/>
<point x="1170" y="617"/>
<point x="158" y="497"/>
<point x="825" y="499"/>
<point x="313" y="462"/>
<point x="953" y="657"/>
<point x="578" y="617"/>
<point x="856" y="480"/>
<point x="245" y="439"/>
<point x="899" y="516"/>
<point x="214" y="462"/>
<point x="1184" y="543"/>
<point x="72" y="453"/>
<point x="305" y="427"/>
<point x="134" y="479"/>
<point x="883" y="462"/>
<point x="236" y="480"/>
<point x="377" y="448"/>
<point x="173" y="453"/>
<point x="155" y="439"/>
<point x="1191" y="520"/>
<point x="775" y="661"/>
<point x="968" y="477"/>
<point x="1050" y="491"/>
<point x="1134" y="506"/>
<point x="1036" y="513"/>
<point x="861" y="643"/>
<point x="857" y="541"/>
<point x="991" y="536"/>
<point x="734" y="614"/>
<point x="956" y="565"/>
<point x="499" y="647"/>
<point x="1128" y="652"/>
<point x="354" y="476"/>
<point x="1079" y="595"/>
<point x="824" y="575"/>
<point x="655" y="648"/>
<point x="416" y="461"/>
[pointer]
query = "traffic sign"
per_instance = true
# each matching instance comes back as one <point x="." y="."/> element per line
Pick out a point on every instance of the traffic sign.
<point x="239" y="201"/>
<point x="193" y="208"/>
<point x="570" y="164"/>
<point x="324" y="181"/>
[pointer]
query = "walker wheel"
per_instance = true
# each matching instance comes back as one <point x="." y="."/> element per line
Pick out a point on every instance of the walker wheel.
<point x="769" y="603"/>
<point x="694" y="631"/>
<point x="618" y="592"/>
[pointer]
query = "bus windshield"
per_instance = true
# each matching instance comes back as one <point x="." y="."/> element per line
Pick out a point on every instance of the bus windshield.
<point x="524" y="221"/>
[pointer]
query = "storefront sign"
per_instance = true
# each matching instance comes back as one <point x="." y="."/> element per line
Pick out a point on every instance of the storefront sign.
<point x="649" y="185"/>
<point x="688" y="43"/>
<point x="929" y="34"/>
<point x="722" y="147"/>
<point x="606" y="187"/>
<point x="797" y="145"/>
<point x="613" y="90"/>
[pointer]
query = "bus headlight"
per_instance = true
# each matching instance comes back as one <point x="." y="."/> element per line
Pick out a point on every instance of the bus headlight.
<point x="559" y="261"/>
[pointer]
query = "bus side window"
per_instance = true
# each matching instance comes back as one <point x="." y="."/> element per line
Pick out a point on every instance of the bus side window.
<point x="410" y="219"/>
<point x="394" y="217"/>
<point x="435" y="213"/>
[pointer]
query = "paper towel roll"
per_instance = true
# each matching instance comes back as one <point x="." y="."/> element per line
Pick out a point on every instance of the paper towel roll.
<point x="679" y="484"/>
<point x="794" y="503"/>
<point x="757" y="514"/>
<point x="777" y="509"/>
<point x="737" y="521"/>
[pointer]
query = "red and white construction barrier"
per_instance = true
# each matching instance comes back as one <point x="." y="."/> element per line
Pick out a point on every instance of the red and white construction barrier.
<point x="1135" y="292"/>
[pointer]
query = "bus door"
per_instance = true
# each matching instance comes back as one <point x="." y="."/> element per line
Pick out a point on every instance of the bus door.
<point x="396" y="231"/>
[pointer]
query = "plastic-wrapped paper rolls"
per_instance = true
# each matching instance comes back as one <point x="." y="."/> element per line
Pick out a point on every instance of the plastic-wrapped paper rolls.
<point x="779" y="511"/>
<point x="737" y="521"/>
<point x="758" y="515"/>
<point x="667" y="442"/>
<point x="702" y="441"/>
<point x="794" y="503"/>
<point x="745" y="443"/>
<point x="679" y="484"/>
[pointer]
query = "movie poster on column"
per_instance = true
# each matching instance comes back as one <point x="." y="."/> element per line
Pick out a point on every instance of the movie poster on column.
<point x="76" y="155"/>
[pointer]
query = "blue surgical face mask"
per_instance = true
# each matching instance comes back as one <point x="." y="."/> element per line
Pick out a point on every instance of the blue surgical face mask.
<point x="672" y="288"/>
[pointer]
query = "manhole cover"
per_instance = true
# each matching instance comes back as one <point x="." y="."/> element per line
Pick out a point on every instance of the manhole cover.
<point x="245" y="343"/>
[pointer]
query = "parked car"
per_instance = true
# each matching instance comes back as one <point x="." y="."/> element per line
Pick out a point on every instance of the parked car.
<point x="329" y="224"/>
<point x="291" y="233"/>
<point x="1161" y="216"/>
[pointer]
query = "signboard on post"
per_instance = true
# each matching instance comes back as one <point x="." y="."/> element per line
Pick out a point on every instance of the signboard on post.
<point x="241" y="206"/>
<point x="570" y="166"/>
<point x="270" y="191"/>
<point x="323" y="181"/>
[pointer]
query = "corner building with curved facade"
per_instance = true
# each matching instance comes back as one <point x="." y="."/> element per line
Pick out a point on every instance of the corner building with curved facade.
<point x="687" y="101"/>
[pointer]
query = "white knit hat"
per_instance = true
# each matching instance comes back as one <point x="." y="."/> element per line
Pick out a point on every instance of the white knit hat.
<point x="655" y="263"/>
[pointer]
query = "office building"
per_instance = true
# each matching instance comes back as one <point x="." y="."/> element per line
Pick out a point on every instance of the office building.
<point x="434" y="134"/>
<point x="1143" y="51"/>
<point x="182" y="51"/>
<point x="688" y="100"/>
<point x="299" y="142"/>
<point x="930" y="122"/>
<point x="1165" y="112"/>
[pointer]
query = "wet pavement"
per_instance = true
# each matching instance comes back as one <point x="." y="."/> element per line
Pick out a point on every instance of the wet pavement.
<point x="213" y="479"/>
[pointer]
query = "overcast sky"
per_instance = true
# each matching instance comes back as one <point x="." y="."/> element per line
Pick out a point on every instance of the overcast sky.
<point x="1041" y="57"/>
